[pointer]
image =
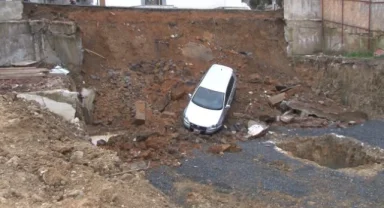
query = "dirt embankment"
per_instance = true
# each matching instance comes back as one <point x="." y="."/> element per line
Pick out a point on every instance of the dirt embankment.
<point x="45" y="162"/>
<point x="158" y="56"/>
<point x="149" y="53"/>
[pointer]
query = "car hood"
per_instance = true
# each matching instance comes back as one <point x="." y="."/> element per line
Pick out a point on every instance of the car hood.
<point x="202" y="116"/>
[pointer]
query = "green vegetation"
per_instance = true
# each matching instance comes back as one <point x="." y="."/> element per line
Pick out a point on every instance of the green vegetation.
<point x="359" y="55"/>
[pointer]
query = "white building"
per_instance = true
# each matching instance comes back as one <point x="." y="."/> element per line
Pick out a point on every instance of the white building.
<point x="182" y="4"/>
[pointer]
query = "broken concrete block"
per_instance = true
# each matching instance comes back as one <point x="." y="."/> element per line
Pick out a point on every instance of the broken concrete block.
<point x="256" y="129"/>
<point x="88" y="96"/>
<point x="276" y="99"/>
<point x="140" y="107"/>
<point x="63" y="109"/>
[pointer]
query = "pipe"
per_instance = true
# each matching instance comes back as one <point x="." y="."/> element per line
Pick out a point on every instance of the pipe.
<point x="342" y="24"/>
<point x="369" y="25"/>
<point x="322" y="24"/>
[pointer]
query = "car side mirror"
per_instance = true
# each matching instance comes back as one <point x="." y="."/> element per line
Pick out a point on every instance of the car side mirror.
<point x="227" y="106"/>
<point x="190" y="95"/>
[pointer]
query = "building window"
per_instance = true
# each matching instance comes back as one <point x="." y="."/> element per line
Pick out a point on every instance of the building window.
<point x="154" y="2"/>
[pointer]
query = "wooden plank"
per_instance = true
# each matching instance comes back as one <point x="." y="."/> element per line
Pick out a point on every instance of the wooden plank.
<point x="5" y="72"/>
<point x="21" y="76"/>
<point x="17" y="68"/>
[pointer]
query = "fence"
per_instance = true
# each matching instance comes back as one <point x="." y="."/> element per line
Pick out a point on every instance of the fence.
<point x="364" y="15"/>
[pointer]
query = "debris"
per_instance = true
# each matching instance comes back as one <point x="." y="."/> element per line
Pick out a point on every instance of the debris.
<point x="140" y="107"/>
<point x="307" y="109"/>
<point x="352" y="117"/>
<point x="177" y="93"/>
<point x="219" y="148"/>
<point x="256" y="129"/>
<point x="59" y="70"/>
<point x="77" y="157"/>
<point x="282" y="88"/>
<point x="276" y="99"/>
<point x="93" y="52"/>
<point x="254" y="78"/>
<point x="245" y="53"/>
<point x="287" y="117"/>
<point x="267" y="118"/>
<point x="22" y="72"/>
<point x="130" y="171"/>
<point x="24" y="63"/>
<point x="101" y="139"/>
<point x="88" y="96"/>
<point x="167" y="114"/>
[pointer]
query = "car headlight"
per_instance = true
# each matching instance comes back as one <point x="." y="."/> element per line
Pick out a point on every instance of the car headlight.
<point x="186" y="120"/>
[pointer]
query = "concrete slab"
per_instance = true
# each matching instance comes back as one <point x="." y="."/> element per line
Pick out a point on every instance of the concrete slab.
<point x="64" y="110"/>
<point x="11" y="10"/>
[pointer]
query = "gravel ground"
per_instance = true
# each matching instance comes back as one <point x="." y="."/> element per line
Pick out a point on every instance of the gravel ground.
<point x="261" y="173"/>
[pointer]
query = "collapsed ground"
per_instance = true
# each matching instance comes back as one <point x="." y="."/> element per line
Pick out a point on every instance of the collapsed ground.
<point x="156" y="57"/>
<point x="159" y="56"/>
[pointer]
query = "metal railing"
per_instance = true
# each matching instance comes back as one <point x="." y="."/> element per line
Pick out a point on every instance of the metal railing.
<point x="342" y="22"/>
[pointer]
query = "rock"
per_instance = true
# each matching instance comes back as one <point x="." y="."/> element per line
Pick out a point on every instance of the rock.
<point x="254" y="78"/>
<point x="74" y="194"/>
<point x="177" y="93"/>
<point x="77" y="157"/>
<point x="234" y="148"/>
<point x="14" y="161"/>
<point x="276" y="99"/>
<point x="140" y="117"/>
<point x="287" y="117"/>
<point x="88" y="96"/>
<point x="53" y="177"/>
<point x="167" y="114"/>
<point x="218" y="148"/>
<point x="221" y="148"/>
<point x="37" y="198"/>
<point x="256" y="129"/>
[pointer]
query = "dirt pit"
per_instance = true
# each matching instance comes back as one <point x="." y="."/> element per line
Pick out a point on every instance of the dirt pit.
<point x="333" y="151"/>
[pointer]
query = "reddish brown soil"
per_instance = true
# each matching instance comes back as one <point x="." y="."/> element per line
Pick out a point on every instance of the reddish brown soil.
<point x="144" y="61"/>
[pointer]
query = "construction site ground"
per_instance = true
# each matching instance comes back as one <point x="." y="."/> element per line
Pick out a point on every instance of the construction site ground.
<point x="158" y="57"/>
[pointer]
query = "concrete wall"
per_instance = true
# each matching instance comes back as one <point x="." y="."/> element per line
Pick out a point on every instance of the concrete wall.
<point x="10" y="10"/>
<point x="53" y="42"/>
<point x="305" y="34"/>
<point x="303" y="30"/>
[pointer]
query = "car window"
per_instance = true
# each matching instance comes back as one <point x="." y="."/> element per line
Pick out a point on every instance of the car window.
<point x="209" y="99"/>
<point x="229" y="88"/>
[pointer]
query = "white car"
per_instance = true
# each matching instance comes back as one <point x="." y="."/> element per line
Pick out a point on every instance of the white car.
<point x="211" y="100"/>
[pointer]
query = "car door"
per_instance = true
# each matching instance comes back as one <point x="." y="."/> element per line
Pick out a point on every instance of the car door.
<point x="231" y="90"/>
<point x="228" y="97"/>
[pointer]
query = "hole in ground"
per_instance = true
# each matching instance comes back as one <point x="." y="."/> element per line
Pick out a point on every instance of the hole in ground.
<point x="332" y="151"/>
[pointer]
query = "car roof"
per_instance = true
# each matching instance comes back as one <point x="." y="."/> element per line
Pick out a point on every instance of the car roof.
<point x="217" y="78"/>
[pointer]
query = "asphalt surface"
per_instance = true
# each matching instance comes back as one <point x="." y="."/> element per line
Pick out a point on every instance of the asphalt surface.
<point x="262" y="173"/>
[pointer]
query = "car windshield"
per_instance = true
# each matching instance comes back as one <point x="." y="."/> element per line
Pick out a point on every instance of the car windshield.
<point x="209" y="99"/>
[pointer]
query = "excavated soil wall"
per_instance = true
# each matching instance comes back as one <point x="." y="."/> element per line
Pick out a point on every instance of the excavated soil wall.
<point x="142" y="54"/>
